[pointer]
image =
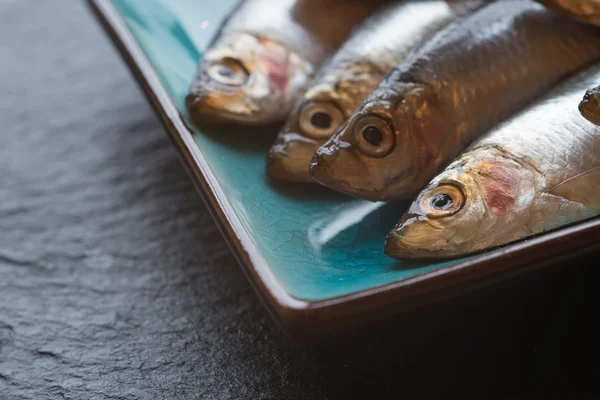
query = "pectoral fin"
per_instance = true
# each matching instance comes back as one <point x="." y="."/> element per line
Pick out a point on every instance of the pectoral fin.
<point x="582" y="188"/>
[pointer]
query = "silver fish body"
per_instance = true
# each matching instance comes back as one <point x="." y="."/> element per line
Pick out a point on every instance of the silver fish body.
<point x="538" y="171"/>
<point x="265" y="55"/>
<point x="467" y="78"/>
<point x="374" y="48"/>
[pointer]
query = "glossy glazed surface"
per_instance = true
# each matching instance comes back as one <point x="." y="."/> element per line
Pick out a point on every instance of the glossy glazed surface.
<point x="317" y="243"/>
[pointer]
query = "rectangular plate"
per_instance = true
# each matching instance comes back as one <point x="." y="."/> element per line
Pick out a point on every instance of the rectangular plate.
<point x="314" y="256"/>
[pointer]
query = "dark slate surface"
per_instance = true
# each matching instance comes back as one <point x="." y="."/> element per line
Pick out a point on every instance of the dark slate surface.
<point x="116" y="284"/>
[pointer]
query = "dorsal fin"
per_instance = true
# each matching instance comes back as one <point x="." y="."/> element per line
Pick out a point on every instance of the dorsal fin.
<point x="582" y="188"/>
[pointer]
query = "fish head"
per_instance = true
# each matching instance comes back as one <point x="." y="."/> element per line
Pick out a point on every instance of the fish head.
<point x="590" y="105"/>
<point x="247" y="79"/>
<point x="313" y="121"/>
<point x="479" y="201"/>
<point x="375" y="156"/>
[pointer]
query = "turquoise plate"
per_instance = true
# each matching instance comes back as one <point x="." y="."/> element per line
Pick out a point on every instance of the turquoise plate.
<point x="314" y="255"/>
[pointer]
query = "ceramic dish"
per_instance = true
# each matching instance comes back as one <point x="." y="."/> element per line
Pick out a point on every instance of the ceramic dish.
<point x="314" y="256"/>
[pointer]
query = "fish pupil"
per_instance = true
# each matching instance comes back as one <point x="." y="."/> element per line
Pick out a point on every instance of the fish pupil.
<point x="441" y="201"/>
<point x="373" y="135"/>
<point x="321" y="120"/>
<point x="226" y="72"/>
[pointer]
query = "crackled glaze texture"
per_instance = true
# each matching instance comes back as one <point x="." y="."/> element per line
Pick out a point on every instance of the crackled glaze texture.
<point x="318" y="244"/>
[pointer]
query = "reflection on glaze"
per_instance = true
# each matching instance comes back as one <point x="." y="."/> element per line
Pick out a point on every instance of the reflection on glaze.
<point x="330" y="226"/>
<point x="534" y="173"/>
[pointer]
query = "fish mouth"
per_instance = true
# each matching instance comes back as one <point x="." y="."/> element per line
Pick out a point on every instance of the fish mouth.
<point x="397" y="247"/>
<point x="590" y="108"/>
<point x="283" y="168"/>
<point x="290" y="157"/>
<point x="319" y="172"/>
<point x="203" y="111"/>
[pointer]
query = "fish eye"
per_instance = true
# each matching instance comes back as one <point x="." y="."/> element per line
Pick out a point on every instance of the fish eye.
<point x="442" y="201"/>
<point x="320" y="120"/>
<point x="229" y="71"/>
<point x="374" y="136"/>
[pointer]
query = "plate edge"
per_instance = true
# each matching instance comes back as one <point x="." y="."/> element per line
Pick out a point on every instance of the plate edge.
<point x="296" y="316"/>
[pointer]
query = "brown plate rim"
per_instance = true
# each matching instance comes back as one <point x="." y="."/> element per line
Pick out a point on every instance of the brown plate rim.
<point x="308" y="319"/>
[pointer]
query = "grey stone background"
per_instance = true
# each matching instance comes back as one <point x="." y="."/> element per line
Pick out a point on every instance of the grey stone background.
<point x="116" y="284"/>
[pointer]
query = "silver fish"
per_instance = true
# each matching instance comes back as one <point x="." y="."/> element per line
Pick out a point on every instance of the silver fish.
<point x="373" y="49"/>
<point x="536" y="172"/>
<point x="265" y="55"/>
<point x="467" y="78"/>
<point x="587" y="11"/>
